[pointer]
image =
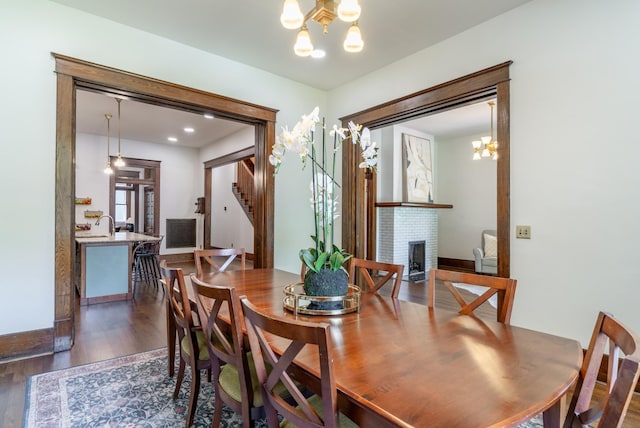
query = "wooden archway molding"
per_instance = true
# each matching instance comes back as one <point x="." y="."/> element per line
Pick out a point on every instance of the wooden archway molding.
<point x="358" y="192"/>
<point x="72" y="74"/>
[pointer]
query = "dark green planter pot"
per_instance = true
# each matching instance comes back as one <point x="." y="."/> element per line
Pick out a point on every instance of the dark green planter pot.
<point x="326" y="283"/>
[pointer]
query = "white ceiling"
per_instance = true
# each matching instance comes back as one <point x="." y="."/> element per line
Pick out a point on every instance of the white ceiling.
<point x="147" y="122"/>
<point x="249" y="31"/>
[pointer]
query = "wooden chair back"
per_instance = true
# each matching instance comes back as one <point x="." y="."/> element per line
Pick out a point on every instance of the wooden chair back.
<point x="372" y="279"/>
<point x="178" y="298"/>
<point x="261" y="328"/>
<point x="211" y="254"/>
<point x="225" y="343"/>
<point x="622" y="376"/>
<point x="503" y="288"/>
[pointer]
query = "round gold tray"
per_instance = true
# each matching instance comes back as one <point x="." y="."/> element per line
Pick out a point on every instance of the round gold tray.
<point x="299" y="303"/>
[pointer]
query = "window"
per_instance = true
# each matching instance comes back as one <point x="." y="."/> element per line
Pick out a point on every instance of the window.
<point x="122" y="198"/>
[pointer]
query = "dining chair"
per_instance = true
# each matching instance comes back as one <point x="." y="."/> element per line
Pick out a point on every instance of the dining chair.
<point x="622" y="376"/>
<point x="233" y="371"/>
<point x="216" y="265"/>
<point x="484" y="285"/>
<point x="372" y="279"/>
<point x="191" y="339"/>
<point x="276" y="369"/>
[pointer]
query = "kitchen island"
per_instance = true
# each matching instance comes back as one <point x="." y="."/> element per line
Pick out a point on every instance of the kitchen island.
<point x="104" y="265"/>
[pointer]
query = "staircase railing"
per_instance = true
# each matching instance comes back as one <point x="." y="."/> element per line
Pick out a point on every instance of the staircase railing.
<point x="243" y="188"/>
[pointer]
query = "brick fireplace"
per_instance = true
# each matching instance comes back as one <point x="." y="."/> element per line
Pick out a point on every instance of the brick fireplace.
<point x="400" y="225"/>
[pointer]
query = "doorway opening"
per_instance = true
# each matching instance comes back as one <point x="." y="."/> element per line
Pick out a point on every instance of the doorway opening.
<point x="74" y="74"/>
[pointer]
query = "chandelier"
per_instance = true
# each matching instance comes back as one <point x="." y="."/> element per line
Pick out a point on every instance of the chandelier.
<point x="323" y="13"/>
<point x="486" y="147"/>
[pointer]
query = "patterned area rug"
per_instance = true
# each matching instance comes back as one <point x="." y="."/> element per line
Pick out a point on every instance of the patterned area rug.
<point x="131" y="391"/>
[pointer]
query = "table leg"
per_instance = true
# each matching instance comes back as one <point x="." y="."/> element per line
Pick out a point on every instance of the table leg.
<point x="553" y="417"/>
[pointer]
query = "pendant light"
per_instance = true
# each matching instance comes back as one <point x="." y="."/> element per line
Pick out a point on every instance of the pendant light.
<point x="119" y="162"/>
<point x="108" y="169"/>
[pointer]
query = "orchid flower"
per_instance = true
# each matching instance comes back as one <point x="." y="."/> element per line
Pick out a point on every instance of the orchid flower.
<point x="324" y="200"/>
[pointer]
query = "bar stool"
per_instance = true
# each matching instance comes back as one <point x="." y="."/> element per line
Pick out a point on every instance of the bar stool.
<point x="146" y="265"/>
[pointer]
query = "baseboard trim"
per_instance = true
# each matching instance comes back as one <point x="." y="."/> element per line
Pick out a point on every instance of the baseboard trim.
<point x="456" y="264"/>
<point x="26" y="344"/>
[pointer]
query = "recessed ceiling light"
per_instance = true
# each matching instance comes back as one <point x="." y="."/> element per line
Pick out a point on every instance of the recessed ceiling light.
<point x="208" y="116"/>
<point x="189" y="130"/>
<point x="173" y="139"/>
<point x="318" y="53"/>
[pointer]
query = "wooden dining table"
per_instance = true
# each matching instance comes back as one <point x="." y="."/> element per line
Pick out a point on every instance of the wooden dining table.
<point x="398" y="363"/>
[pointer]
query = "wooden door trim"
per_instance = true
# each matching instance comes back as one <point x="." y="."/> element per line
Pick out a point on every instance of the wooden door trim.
<point x="74" y="73"/>
<point x="492" y="81"/>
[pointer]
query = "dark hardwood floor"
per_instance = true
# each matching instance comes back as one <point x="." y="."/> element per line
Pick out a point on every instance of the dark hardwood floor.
<point x="109" y="330"/>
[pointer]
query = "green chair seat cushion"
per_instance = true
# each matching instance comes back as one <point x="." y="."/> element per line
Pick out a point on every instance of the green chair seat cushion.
<point x="316" y="403"/>
<point x="202" y="346"/>
<point x="230" y="382"/>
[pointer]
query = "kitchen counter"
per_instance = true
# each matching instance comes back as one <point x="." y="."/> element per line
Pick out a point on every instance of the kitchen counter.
<point x="94" y="238"/>
<point x="104" y="265"/>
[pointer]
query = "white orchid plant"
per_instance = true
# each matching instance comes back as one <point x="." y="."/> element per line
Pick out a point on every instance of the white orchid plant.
<point x="324" y="200"/>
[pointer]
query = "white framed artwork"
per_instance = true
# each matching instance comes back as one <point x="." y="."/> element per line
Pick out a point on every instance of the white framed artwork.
<point x="417" y="169"/>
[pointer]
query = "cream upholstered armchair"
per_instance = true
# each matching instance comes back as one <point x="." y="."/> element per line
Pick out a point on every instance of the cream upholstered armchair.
<point x="486" y="256"/>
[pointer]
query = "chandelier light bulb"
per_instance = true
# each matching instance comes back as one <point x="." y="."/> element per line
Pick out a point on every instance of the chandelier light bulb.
<point x="476" y="155"/>
<point x="485" y="153"/>
<point x="303" y="46"/>
<point x="476" y="144"/>
<point x="292" y="16"/>
<point x="353" y="42"/>
<point x="349" y="10"/>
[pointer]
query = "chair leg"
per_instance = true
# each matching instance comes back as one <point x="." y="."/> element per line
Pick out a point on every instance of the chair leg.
<point x="179" y="379"/>
<point x="193" y="395"/>
<point x="217" y="412"/>
<point x="158" y="274"/>
<point x="136" y="275"/>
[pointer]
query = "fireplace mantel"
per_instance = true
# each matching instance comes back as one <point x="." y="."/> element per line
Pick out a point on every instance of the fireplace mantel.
<point x="411" y="205"/>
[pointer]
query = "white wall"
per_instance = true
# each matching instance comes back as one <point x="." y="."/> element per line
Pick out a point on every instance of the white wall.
<point x="470" y="186"/>
<point x="230" y="227"/>
<point x="32" y="29"/>
<point x="574" y="149"/>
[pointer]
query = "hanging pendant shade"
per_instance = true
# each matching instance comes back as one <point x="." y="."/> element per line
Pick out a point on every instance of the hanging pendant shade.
<point x="119" y="162"/>
<point x="108" y="169"/>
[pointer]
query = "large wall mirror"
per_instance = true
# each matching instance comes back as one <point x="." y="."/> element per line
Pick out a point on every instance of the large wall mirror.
<point x="359" y="194"/>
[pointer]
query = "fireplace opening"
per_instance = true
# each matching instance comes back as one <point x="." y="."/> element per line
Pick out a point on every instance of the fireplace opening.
<point x="416" y="260"/>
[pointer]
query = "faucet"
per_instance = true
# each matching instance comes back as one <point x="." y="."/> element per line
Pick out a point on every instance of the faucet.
<point x="112" y="223"/>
